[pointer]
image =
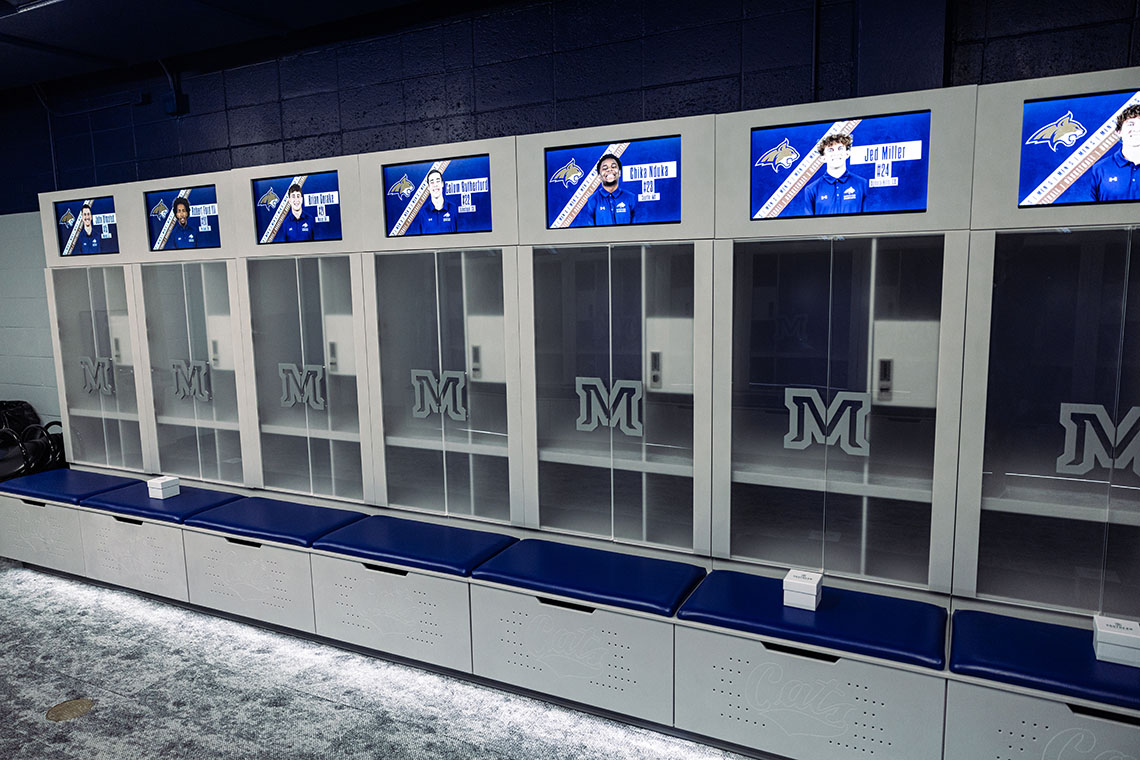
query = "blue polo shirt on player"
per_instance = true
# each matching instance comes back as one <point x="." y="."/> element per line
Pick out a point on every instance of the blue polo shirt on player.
<point x="88" y="243"/>
<point x="431" y="221"/>
<point x="603" y="208"/>
<point x="182" y="237"/>
<point x="835" y="195"/>
<point x="1114" y="178"/>
<point x="297" y="228"/>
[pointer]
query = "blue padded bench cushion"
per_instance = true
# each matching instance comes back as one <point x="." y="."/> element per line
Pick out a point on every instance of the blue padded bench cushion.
<point x="852" y="621"/>
<point x="593" y="575"/>
<point x="67" y="486"/>
<point x="135" y="500"/>
<point x="271" y="520"/>
<point x="427" y="546"/>
<point x="1044" y="656"/>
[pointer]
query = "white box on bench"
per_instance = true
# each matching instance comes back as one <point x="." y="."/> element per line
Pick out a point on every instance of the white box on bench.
<point x="576" y="651"/>
<point x="803" y="704"/>
<point x="984" y="722"/>
<point x="403" y="612"/>
<point x="250" y="578"/>
<point x="41" y="534"/>
<point x="135" y="553"/>
<point x="803" y="589"/>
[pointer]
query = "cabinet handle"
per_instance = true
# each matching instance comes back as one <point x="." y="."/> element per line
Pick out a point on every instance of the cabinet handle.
<point x="797" y="652"/>
<point x="127" y="520"/>
<point x="566" y="605"/>
<point x="31" y="503"/>
<point x="382" y="569"/>
<point x="240" y="542"/>
<point x="1092" y="712"/>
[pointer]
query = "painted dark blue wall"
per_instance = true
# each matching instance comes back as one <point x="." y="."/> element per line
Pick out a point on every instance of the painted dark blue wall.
<point x="530" y="67"/>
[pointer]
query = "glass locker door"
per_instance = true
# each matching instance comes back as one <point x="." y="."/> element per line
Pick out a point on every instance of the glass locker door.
<point x="93" y="320"/>
<point x="192" y="362"/>
<point x="1059" y="521"/>
<point x="614" y="347"/>
<point x="834" y="384"/>
<point x="444" y="381"/>
<point x="305" y="364"/>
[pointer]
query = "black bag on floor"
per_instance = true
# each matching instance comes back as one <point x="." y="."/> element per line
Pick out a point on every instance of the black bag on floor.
<point x="17" y="415"/>
<point x="11" y="454"/>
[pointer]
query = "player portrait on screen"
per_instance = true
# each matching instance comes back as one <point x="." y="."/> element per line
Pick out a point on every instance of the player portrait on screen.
<point x="182" y="235"/>
<point x="1116" y="176"/>
<point x="298" y="225"/>
<point x="837" y="191"/>
<point x="88" y="241"/>
<point x="609" y="204"/>
<point x="437" y="215"/>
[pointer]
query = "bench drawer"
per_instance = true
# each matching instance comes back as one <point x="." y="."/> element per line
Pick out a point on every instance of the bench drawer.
<point x="991" y="723"/>
<point x="606" y="659"/>
<point x="41" y="534"/>
<point x="405" y="613"/>
<point x="248" y="578"/>
<point x="137" y="554"/>
<point x="804" y="704"/>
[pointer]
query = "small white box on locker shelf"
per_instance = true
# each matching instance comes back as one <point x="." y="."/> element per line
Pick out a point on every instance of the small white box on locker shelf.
<point x="1116" y="640"/>
<point x="803" y="589"/>
<point x="163" y="487"/>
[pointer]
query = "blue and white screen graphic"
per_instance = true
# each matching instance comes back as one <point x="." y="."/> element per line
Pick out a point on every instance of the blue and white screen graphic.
<point x="1080" y="149"/>
<point x="183" y="218"/>
<point x="297" y="208"/>
<point x="438" y="197"/>
<point x="86" y="225"/>
<point x="633" y="182"/>
<point x="868" y="165"/>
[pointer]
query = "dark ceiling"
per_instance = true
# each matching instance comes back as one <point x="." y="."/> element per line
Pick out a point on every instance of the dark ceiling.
<point x="44" y="40"/>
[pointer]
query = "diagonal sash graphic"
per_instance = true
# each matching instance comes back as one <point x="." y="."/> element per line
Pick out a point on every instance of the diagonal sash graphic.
<point x="168" y="225"/>
<point x="417" y="201"/>
<point x="802" y="174"/>
<point x="1079" y="161"/>
<point x="282" y="206"/>
<point x="582" y="195"/>
<point x="74" y="236"/>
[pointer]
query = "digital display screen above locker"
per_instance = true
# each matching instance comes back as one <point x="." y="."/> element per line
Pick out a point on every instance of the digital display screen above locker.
<point x="863" y="165"/>
<point x="632" y="182"/>
<point x="86" y="226"/>
<point x="1080" y="149"/>
<point x="295" y="209"/>
<point x="183" y="218"/>
<point x="438" y="197"/>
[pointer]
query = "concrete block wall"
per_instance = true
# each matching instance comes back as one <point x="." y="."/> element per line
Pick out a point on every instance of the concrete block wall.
<point x="26" y="368"/>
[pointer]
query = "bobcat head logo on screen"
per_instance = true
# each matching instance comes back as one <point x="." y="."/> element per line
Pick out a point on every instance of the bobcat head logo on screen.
<point x="160" y="210"/>
<point x="780" y="157"/>
<point x="269" y="200"/>
<point x="569" y="174"/>
<point x="1064" y="131"/>
<point x="67" y="219"/>
<point x="402" y="189"/>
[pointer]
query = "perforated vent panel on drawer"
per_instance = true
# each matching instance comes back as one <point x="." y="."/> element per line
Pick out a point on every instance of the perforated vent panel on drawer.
<point x="992" y="724"/>
<point x="413" y="615"/>
<point x="262" y="582"/>
<point x="804" y="705"/>
<point x="135" y="554"/>
<point x="611" y="660"/>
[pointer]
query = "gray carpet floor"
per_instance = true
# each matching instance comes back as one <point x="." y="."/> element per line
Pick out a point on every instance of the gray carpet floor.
<point x="168" y="682"/>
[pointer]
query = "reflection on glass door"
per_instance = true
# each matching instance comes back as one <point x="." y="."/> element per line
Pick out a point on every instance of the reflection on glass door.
<point x="305" y="365"/>
<point x="834" y="385"/>
<point x="189" y="336"/>
<point x="614" y="381"/>
<point x="93" y="320"/>
<point x="444" y="381"/>
<point x="1060" y="521"/>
